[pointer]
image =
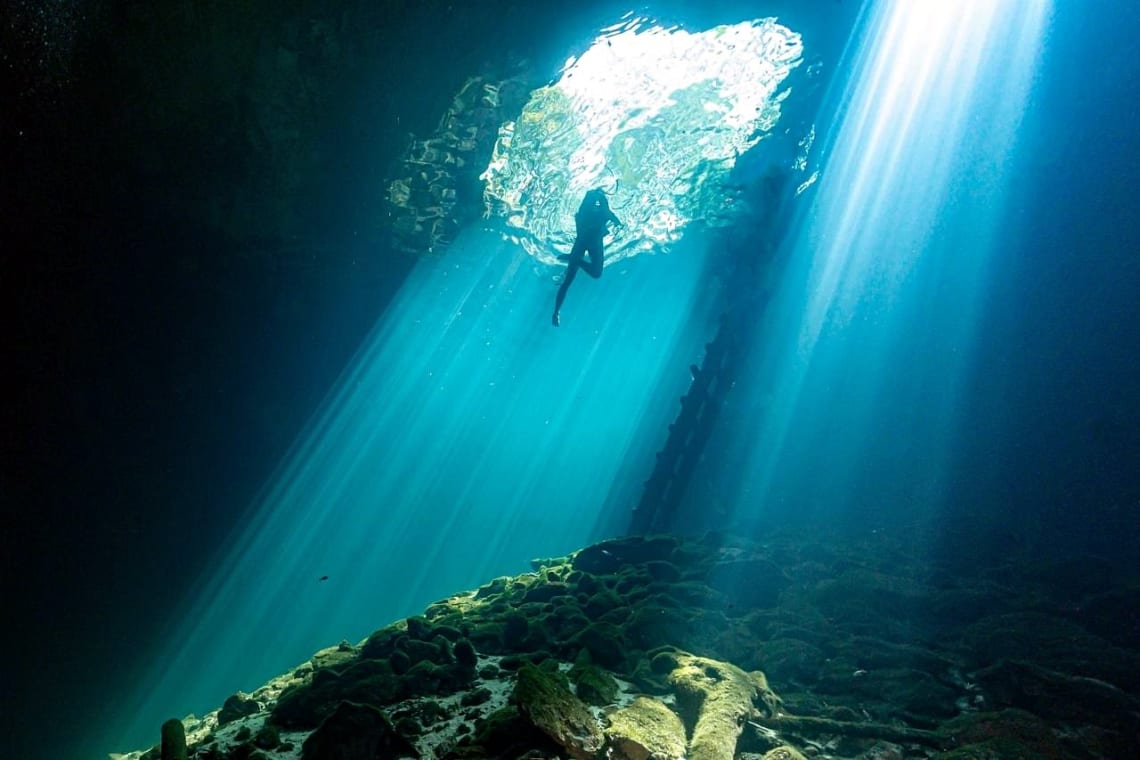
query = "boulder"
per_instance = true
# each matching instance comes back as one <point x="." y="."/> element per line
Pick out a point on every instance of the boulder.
<point x="237" y="706"/>
<point x="645" y="730"/>
<point x="594" y="685"/>
<point x="612" y="556"/>
<point x="721" y="697"/>
<point x="173" y="740"/>
<point x="552" y="707"/>
<point x="356" y="732"/>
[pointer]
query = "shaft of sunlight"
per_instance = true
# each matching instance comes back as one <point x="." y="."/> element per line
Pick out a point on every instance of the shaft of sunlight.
<point x="860" y="367"/>
<point x="467" y="437"/>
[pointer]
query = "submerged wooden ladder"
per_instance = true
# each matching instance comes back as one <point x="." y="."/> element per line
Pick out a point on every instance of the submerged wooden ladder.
<point x="747" y="296"/>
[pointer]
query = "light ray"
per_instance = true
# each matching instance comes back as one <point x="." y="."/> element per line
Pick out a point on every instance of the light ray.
<point x="856" y="394"/>
<point x="467" y="437"/>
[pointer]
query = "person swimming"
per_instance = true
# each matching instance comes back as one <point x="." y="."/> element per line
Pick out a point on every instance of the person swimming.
<point x="590" y="223"/>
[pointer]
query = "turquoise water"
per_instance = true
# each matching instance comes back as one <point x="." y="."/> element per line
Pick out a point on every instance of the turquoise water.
<point x="468" y="437"/>
<point x="950" y="341"/>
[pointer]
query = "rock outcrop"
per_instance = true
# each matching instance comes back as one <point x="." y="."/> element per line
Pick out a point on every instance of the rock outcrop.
<point x="646" y="730"/>
<point x="549" y="704"/>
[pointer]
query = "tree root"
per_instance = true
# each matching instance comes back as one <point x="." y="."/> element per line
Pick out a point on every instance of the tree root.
<point x="809" y="726"/>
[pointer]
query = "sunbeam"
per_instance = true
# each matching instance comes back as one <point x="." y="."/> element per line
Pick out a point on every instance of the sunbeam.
<point x="889" y="266"/>
<point x="467" y="437"/>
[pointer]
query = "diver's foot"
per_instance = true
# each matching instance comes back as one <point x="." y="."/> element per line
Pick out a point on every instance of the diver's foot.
<point x="564" y="258"/>
<point x="554" y="319"/>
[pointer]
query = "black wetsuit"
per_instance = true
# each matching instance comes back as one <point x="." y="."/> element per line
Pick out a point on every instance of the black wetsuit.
<point x="590" y="223"/>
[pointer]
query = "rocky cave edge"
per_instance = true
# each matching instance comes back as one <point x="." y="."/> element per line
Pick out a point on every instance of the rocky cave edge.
<point x="651" y="648"/>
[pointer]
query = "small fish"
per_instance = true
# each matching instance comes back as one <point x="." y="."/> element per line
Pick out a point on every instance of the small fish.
<point x="323" y="578"/>
<point x="859" y="673"/>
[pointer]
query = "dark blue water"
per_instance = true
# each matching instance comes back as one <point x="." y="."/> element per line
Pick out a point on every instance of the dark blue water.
<point x="208" y="441"/>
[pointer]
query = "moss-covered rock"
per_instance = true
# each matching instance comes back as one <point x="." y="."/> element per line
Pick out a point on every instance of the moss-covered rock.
<point x="783" y="753"/>
<point x="1114" y="615"/>
<point x="611" y="556"/>
<point x="237" y="706"/>
<point x="897" y="690"/>
<point x="601" y="602"/>
<point x="400" y="661"/>
<point x="465" y="655"/>
<point x="443" y="646"/>
<point x="545" y="592"/>
<point x="663" y="571"/>
<point x="553" y="709"/>
<point x="369" y="682"/>
<point x="605" y="642"/>
<point x="717" y="697"/>
<point x="356" y="731"/>
<point x="645" y="730"/>
<point x="695" y="594"/>
<point x="419" y="650"/>
<point x="870" y="601"/>
<point x="1059" y="696"/>
<point x="494" y="588"/>
<point x="1053" y="643"/>
<point x="173" y="746"/>
<point x="335" y="656"/>
<point x="1009" y="733"/>
<point x="593" y="685"/>
<point x="586" y="583"/>
<point x="787" y="659"/>
<point x="557" y="628"/>
<point x="419" y="628"/>
<point x="479" y="696"/>
<point x="267" y="737"/>
<point x="381" y="643"/>
<point x="503" y="733"/>
<point x="653" y="626"/>
<point x="515" y="630"/>
<point x="487" y="636"/>
<point x="645" y="678"/>
<point x="245" y="751"/>
<point x="427" y="678"/>
<point x="748" y="583"/>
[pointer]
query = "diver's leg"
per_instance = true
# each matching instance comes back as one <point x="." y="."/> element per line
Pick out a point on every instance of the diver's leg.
<point x="594" y="266"/>
<point x="571" y="272"/>
<point x="575" y="252"/>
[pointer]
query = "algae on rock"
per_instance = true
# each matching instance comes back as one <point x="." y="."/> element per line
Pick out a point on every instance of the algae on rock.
<point x="552" y="707"/>
<point x="355" y="730"/>
<point x="646" y="730"/>
<point x="173" y="740"/>
<point x="721" y="696"/>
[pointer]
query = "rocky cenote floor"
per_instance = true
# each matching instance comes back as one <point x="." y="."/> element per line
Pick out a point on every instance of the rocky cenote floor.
<point x="661" y="648"/>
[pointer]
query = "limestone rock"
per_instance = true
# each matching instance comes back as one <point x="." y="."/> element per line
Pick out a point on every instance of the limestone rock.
<point x="306" y="705"/>
<point x="646" y="730"/>
<point x="783" y="753"/>
<point x="237" y="706"/>
<point x="594" y="685"/>
<point x="721" y="696"/>
<point x="356" y="732"/>
<point x="1059" y="696"/>
<point x="1055" y="643"/>
<point x="612" y="556"/>
<point x="173" y="740"/>
<point x="1009" y="733"/>
<point x="551" y="706"/>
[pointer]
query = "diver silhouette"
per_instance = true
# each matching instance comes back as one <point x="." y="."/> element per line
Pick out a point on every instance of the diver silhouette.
<point x="590" y="222"/>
